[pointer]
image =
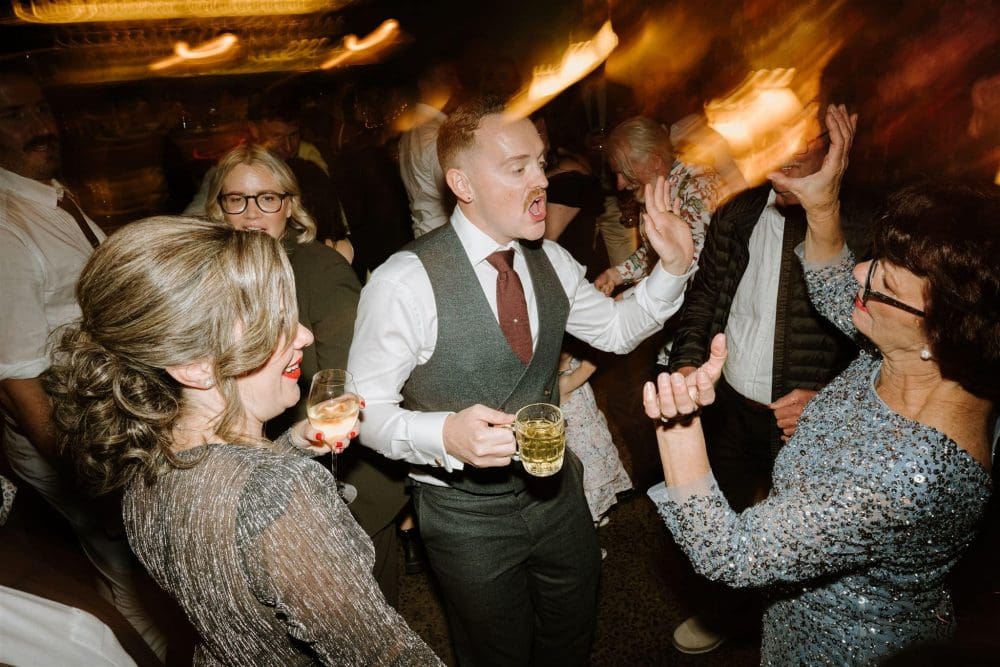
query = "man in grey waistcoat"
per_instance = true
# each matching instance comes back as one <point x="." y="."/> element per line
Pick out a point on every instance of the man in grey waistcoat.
<point x="443" y="356"/>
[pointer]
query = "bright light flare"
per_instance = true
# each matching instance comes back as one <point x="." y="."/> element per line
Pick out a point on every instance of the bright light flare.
<point x="388" y="29"/>
<point x="89" y="11"/>
<point x="763" y="122"/>
<point x="370" y="46"/>
<point x="211" y="50"/>
<point x="547" y="81"/>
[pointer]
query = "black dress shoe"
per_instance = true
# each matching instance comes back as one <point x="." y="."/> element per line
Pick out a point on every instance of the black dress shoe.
<point x="413" y="551"/>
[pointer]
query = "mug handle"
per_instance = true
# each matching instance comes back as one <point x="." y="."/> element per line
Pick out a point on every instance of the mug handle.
<point x="517" y="447"/>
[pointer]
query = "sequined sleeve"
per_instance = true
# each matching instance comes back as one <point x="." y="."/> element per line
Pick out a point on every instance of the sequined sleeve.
<point x="819" y="529"/>
<point x="301" y="557"/>
<point x="832" y="288"/>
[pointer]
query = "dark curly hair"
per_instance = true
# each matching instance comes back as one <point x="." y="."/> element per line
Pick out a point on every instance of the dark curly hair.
<point x="950" y="235"/>
<point x="161" y="293"/>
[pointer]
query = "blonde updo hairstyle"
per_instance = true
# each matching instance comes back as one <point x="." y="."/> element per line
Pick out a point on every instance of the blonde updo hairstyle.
<point x="255" y="155"/>
<point x="160" y="293"/>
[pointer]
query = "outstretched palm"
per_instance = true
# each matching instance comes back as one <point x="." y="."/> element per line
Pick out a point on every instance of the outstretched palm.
<point x="676" y="396"/>
<point x="668" y="233"/>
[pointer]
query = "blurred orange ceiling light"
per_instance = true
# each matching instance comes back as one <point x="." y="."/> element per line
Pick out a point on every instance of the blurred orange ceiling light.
<point x="763" y="121"/>
<point x="352" y="45"/>
<point x="388" y="28"/>
<point x="87" y="11"/>
<point x="579" y="60"/>
<point x="211" y="49"/>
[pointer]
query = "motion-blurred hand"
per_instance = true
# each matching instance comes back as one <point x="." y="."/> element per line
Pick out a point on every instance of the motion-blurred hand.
<point x="609" y="280"/>
<point x="676" y="395"/>
<point x="668" y="234"/>
<point x="819" y="193"/>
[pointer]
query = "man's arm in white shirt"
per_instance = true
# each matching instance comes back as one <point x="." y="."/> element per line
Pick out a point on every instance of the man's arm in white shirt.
<point x="23" y="356"/>
<point x="393" y="333"/>
<point x="616" y="326"/>
<point x="427" y="198"/>
<point x="27" y="403"/>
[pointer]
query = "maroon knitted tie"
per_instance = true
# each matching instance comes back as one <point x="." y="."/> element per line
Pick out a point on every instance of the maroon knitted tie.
<point x="511" y="306"/>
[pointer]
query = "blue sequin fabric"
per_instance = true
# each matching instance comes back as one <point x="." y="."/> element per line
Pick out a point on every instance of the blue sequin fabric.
<point x="868" y="513"/>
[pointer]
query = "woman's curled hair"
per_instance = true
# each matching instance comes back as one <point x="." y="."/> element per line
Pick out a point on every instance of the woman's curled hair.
<point x="159" y="293"/>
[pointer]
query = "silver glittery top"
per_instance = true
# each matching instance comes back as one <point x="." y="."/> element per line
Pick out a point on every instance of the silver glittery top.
<point x="869" y="511"/>
<point x="265" y="559"/>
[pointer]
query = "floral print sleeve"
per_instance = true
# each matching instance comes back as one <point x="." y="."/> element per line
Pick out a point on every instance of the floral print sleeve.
<point x="697" y="188"/>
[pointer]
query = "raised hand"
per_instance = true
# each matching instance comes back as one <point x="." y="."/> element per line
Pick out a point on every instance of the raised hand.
<point x="472" y="437"/>
<point x="676" y="395"/>
<point x="668" y="233"/>
<point x="819" y="193"/>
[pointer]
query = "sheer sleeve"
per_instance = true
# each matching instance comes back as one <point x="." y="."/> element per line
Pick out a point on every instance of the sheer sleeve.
<point x="819" y="528"/>
<point x="832" y="288"/>
<point x="304" y="556"/>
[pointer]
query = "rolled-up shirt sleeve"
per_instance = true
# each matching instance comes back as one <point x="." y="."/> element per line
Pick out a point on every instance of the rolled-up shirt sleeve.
<point x="395" y="331"/>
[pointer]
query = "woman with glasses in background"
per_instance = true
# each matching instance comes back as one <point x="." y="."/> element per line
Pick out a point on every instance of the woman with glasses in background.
<point x="254" y="190"/>
<point x="887" y="477"/>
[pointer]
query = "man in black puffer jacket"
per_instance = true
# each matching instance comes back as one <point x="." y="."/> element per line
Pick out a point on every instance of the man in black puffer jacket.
<point x="750" y="285"/>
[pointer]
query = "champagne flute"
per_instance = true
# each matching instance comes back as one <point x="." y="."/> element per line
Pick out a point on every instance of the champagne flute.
<point x="332" y="407"/>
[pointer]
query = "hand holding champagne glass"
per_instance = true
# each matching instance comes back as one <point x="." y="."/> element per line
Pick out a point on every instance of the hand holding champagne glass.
<point x="333" y="406"/>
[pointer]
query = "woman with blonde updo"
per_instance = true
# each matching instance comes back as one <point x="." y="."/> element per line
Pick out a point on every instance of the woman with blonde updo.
<point x="188" y="342"/>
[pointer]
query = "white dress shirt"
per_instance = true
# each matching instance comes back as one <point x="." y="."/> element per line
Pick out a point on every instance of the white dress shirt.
<point x="42" y="251"/>
<point x="396" y="330"/>
<point x="750" y="329"/>
<point x="421" y="172"/>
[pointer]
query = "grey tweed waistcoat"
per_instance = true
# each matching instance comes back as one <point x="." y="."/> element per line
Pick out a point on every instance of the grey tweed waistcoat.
<point x="472" y="360"/>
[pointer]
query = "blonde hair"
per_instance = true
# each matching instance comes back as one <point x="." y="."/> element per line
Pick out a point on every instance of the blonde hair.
<point x="163" y="292"/>
<point x="637" y="140"/>
<point x="255" y="155"/>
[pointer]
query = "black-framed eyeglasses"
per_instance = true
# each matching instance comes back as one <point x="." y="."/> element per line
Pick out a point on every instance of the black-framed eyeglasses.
<point x="235" y="203"/>
<point x="868" y="293"/>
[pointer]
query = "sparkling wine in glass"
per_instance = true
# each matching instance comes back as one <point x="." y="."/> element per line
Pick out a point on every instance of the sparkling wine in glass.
<point x="333" y="406"/>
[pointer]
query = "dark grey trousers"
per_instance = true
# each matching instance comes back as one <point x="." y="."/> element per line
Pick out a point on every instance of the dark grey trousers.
<point x="519" y="571"/>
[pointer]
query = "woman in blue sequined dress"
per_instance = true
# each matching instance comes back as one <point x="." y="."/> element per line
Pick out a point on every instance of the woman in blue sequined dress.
<point x="883" y="484"/>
